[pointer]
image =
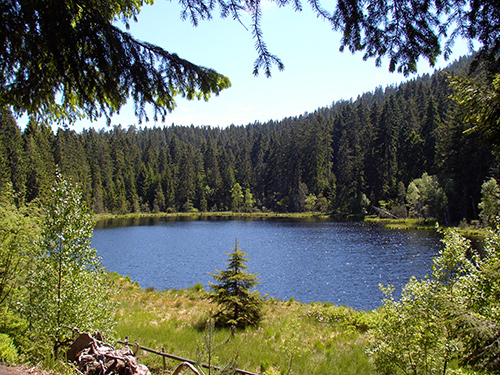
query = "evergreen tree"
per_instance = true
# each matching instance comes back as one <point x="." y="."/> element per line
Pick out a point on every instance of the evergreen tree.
<point x="145" y="186"/>
<point x="430" y="127"/>
<point x="168" y="182"/>
<point x="316" y="156"/>
<point x="272" y="177"/>
<point x="70" y="157"/>
<point x="214" y="178"/>
<point x="97" y="147"/>
<point x="257" y="156"/>
<point x="118" y="195"/>
<point x="463" y="165"/>
<point x="386" y="149"/>
<point x="97" y="203"/>
<point x="38" y="141"/>
<point x="186" y="177"/>
<point x="481" y="102"/>
<point x="13" y="156"/>
<point x="200" y="181"/>
<point x="159" y="200"/>
<point x="238" y="305"/>
<point x="94" y="67"/>
<point x="410" y="151"/>
<point x="226" y="164"/>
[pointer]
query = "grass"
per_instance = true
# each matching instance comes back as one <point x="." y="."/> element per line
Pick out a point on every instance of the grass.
<point x="404" y="224"/>
<point x="317" y="338"/>
<point x="468" y="230"/>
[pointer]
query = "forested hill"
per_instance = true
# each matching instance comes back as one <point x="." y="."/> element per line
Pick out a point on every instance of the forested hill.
<point x="345" y="158"/>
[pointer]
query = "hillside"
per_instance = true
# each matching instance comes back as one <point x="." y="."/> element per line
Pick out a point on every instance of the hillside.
<point x="344" y="158"/>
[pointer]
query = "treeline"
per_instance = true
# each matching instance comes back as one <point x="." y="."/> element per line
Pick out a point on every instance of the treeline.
<point x="346" y="158"/>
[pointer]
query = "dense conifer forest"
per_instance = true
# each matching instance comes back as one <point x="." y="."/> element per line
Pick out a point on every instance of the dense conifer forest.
<point x="347" y="158"/>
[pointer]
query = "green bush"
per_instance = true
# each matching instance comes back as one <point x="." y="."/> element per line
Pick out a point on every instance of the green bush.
<point x="342" y="316"/>
<point x="8" y="352"/>
<point x="15" y="327"/>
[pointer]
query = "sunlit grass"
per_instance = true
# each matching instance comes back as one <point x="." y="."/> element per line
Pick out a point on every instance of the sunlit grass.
<point x="318" y="338"/>
<point x="404" y="224"/>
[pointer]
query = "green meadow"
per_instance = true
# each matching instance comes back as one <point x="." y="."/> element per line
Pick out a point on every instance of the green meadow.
<point x="293" y="338"/>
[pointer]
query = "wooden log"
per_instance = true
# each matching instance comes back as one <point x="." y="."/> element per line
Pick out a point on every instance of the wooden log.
<point x="83" y="341"/>
<point x="181" y="359"/>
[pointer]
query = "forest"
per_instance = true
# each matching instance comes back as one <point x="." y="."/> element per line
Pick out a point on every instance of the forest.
<point x="347" y="158"/>
<point x="426" y="148"/>
<point x="405" y="150"/>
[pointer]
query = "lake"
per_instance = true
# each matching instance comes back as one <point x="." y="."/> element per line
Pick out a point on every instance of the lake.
<point x="338" y="262"/>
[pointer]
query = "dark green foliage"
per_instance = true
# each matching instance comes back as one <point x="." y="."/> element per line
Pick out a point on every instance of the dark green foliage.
<point x="70" y="60"/>
<point x="12" y="158"/>
<point x="239" y="306"/>
<point x="68" y="152"/>
<point x="40" y="168"/>
<point x="405" y="31"/>
<point x="480" y="99"/>
<point x="430" y="127"/>
<point x="349" y="157"/>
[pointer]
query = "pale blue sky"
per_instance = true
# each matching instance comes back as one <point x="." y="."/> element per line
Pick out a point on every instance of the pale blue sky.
<point x="316" y="73"/>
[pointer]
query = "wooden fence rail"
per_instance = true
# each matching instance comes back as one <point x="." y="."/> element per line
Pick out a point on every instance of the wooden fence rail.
<point x="167" y="355"/>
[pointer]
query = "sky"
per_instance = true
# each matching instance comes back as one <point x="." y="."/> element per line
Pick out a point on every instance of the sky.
<point x="316" y="74"/>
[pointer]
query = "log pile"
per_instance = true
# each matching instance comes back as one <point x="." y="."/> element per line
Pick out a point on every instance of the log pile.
<point x="95" y="357"/>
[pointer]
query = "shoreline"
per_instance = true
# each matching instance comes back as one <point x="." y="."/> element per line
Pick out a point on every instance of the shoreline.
<point x="221" y="214"/>
<point x="468" y="230"/>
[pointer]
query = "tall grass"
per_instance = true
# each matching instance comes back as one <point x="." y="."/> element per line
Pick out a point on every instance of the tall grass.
<point x="292" y="338"/>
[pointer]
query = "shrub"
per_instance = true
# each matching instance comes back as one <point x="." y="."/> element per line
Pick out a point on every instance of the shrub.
<point x="8" y="352"/>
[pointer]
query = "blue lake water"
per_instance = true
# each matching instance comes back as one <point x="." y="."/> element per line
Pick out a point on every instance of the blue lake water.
<point x="341" y="263"/>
